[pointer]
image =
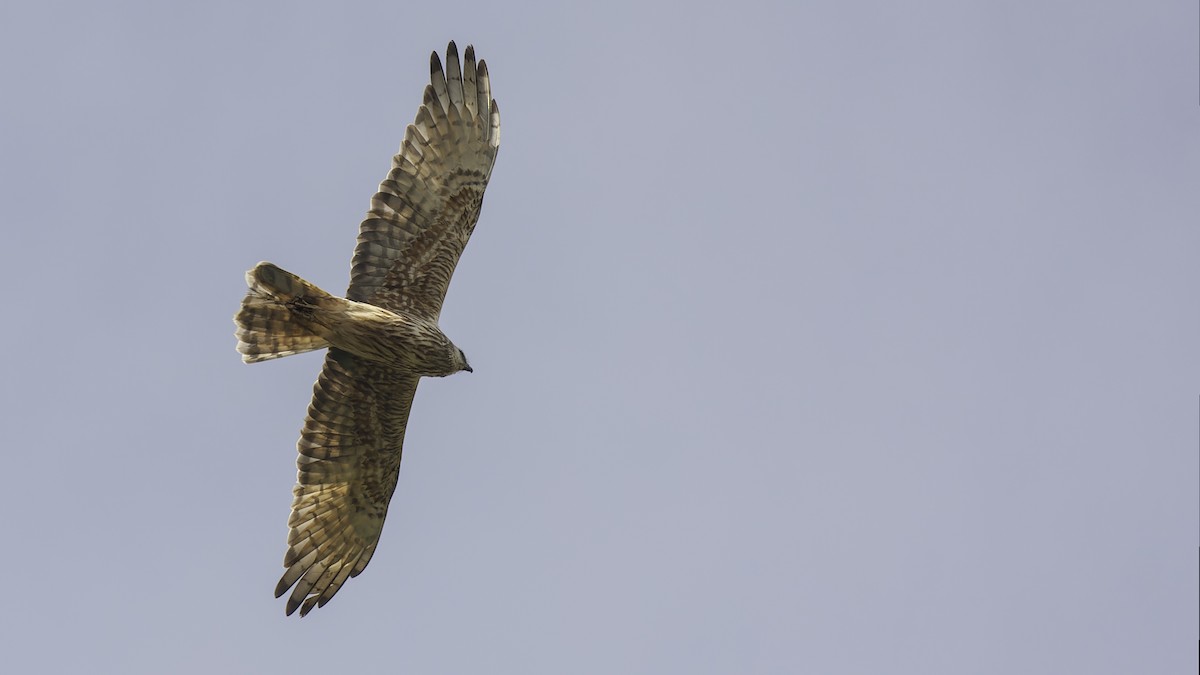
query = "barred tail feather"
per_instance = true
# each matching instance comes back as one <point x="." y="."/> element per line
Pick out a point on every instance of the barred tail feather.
<point x="276" y="318"/>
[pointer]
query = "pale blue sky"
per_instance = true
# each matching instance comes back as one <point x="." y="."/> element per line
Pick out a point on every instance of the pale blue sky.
<point x="808" y="338"/>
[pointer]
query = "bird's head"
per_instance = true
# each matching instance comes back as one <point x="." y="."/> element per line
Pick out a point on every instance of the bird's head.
<point x="461" y="361"/>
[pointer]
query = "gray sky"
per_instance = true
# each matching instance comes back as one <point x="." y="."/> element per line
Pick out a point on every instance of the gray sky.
<point x="808" y="337"/>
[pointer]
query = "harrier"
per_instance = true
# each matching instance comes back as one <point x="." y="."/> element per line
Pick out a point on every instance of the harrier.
<point x="383" y="337"/>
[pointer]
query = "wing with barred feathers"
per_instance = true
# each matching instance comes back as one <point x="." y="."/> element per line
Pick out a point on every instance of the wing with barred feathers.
<point x="349" y="462"/>
<point x="426" y="208"/>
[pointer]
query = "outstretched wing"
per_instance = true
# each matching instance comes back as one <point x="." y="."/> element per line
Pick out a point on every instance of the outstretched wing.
<point x="348" y="465"/>
<point x="425" y="211"/>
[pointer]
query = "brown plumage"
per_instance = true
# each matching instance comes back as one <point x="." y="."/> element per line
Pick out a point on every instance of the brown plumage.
<point x="383" y="336"/>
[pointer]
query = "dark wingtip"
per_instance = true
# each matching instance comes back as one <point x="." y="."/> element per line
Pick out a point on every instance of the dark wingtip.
<point x="435" y="63"/>
<point x="280" y="589"/>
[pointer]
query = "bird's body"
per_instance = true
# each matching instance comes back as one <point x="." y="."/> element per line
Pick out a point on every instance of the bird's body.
<point x="383" y="336"/>
<point x="409" y="343"/>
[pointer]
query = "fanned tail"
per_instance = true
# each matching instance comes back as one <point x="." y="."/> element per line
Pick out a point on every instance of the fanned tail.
<point x="276" y="318"/>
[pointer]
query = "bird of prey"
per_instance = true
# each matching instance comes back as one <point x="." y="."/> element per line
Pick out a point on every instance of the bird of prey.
<point x="383" y="337"/>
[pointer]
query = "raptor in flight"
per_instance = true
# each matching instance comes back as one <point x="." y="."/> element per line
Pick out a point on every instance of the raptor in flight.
<point x="383" y="337"/>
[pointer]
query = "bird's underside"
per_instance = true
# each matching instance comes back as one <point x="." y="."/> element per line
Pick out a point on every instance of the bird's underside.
<point x="383" y="336"/>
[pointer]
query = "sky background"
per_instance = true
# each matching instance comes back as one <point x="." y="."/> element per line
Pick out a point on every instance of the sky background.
<point x="809" y="337"/>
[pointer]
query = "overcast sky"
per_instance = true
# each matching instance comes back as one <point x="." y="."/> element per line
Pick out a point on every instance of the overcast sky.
<point x="809" y="337"/>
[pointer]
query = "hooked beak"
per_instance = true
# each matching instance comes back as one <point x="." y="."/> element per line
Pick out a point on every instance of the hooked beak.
<point x="468" y="368"/>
